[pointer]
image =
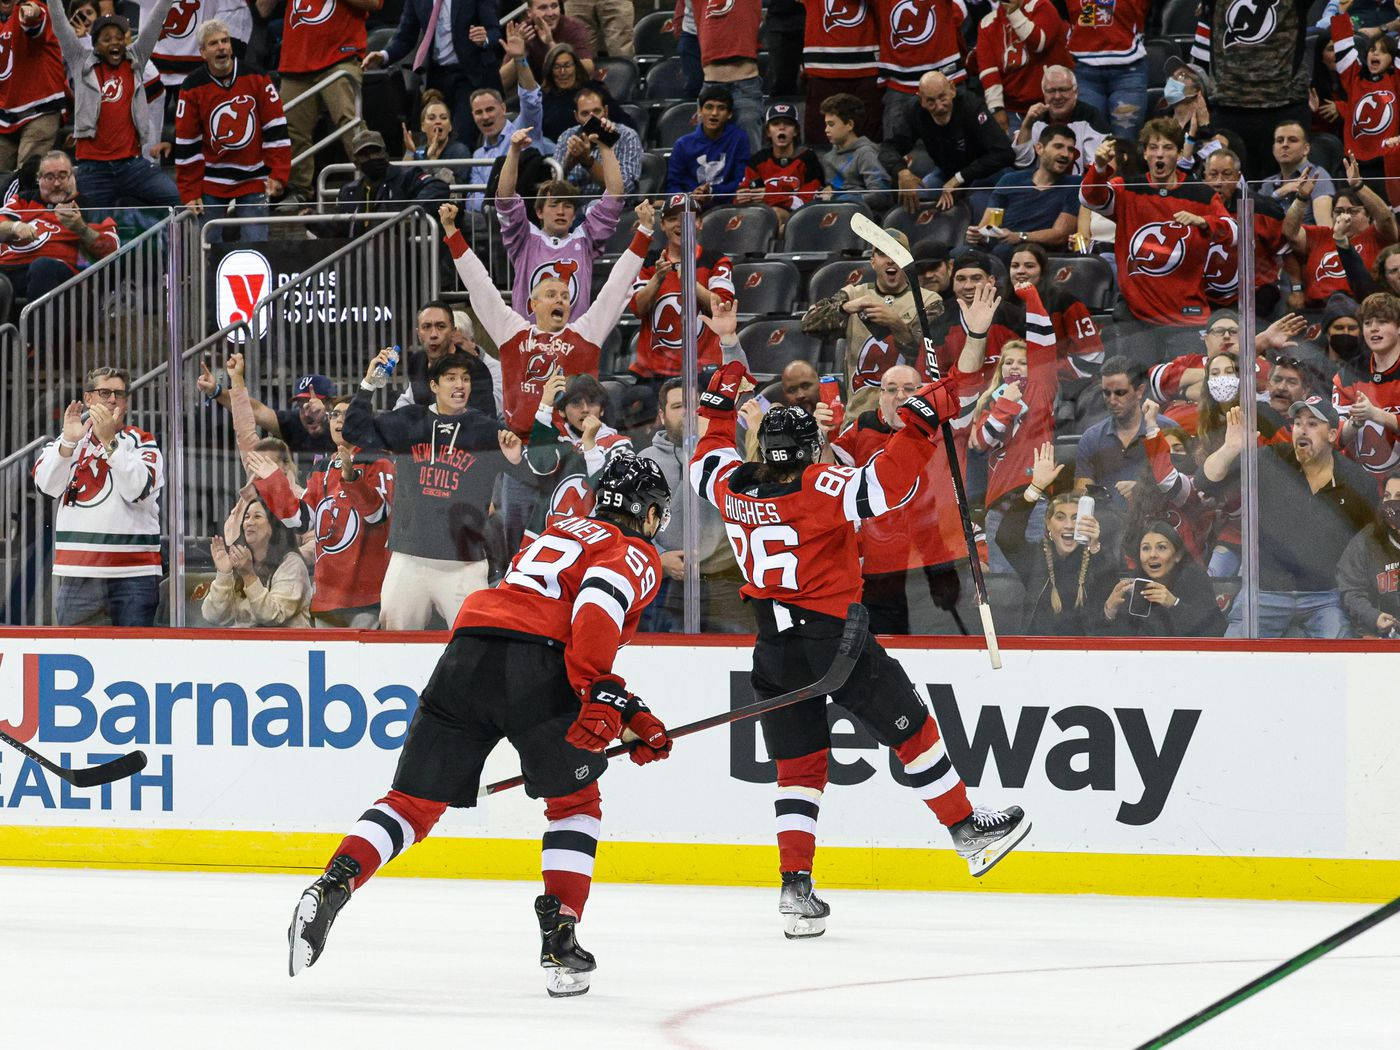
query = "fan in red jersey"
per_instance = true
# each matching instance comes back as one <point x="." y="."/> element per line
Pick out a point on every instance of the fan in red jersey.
<point x="530" y="661"/>
<point x="792" y="524"/>
<point x="1370" y="407"/>
<point x="33" y="83"/>
<point x="1360" y="220"/>
<point x="840" y="42"/>
<point x="784" y="175"/>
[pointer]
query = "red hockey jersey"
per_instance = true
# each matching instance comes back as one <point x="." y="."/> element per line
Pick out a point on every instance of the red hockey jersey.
<point x="1372" y="445"/>
<point x="1164" y="381"/>
<point x="1323" y="272"/>
<point x="54" y="240"/>
<point x="925" y="531"/>
<point x="229" y="137"/>
<point x="1107" y="32"/>
<point x="727" y="29"/>
<point x="582" y="586"/>
<point x="351" y="524"/>
<point x="528" y="354"/>
<point x="918" y="37"/>
<point x="788" y="183"/>
<point x="1014" y="50"/>
<point x="840" y="39"/>
<point x="1370" y="109"/>
<point x="1077" y="336"/>
<point x="176" y="54"/>
<point x="1160" y="260"/>
<point x="33" y="80"/>
<point x="796" y="543"/>
<point x="1222" y="262"/>
<point x="316" y="34"/>
<point x="658" y="350"/>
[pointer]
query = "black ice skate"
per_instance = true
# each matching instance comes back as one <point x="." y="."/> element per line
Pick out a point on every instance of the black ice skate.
<point x="317" y="909"/>
<point x="560" y="954"/>
<point x="988" y="835"/>
<point x="804" y="913"/>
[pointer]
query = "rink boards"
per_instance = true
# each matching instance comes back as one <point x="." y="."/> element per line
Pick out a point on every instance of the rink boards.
<point x="1208" y="769"/>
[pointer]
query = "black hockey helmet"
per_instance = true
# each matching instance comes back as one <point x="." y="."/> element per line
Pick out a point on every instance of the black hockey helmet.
<point x="631" y="485"/>
<point x="789" y="437"/>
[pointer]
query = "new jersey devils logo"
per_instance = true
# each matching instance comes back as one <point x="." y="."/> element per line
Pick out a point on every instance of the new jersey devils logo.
<point x="563" y="270"/>
<point x="875" y="359"/>
<point x="44" y="229"/>
<point x="337" y="525"/>
<point x="234" y="122"/>
<point x="1374" y="114"/>
<point x="572" y="498"/>
<point x="311" y="12"/>
<point x="667" y="326"/>
<point x="537" y="368"/>
<point x="91" y="484"/>
<point x="1221" y="275"/>
<point x="843" y="14"/>
<point x="912" y="23"/>
<point x="1330" y="266"/>
<point x="7" y="56"/>
<point x="180" y="21"/>
<point x="1249" y="22"/>
<point x="1374" y="448"/>
<point x="1157" y="249"/>
<point x="112" y="89"/>
<point x="718" y="8"/>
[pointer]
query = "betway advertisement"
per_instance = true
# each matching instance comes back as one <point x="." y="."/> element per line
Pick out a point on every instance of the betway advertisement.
<point x="1217" y="753"/>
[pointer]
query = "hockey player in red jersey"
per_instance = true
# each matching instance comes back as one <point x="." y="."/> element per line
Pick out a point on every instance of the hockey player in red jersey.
<point x="530" y="661"/>
<point x="792" y="524"/>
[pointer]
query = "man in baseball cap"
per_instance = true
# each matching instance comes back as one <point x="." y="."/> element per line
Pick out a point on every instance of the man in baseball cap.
<point x="379" y="187"/>
<point x="783" y="175"/>
<point x="302" y="425"/>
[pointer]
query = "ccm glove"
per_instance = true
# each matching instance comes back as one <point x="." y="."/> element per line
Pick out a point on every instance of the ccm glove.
<point x="723" y="391"/>
<point x="653" y="743"/>
<point x="600" y="720"/>
<point x="931" y="406"/>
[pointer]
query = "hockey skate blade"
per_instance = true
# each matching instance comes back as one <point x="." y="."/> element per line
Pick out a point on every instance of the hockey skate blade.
<point x="300" y="952"/>
<point x="800" y="927"/>
<point x="563" y="983"/>
<point x="988" y="859"/>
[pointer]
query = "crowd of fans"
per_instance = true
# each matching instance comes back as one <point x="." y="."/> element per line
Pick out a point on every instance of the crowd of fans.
<point x="1069" y="177"/>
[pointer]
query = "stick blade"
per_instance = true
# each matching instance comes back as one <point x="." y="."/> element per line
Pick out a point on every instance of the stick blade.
<point x="874" y="235"/>
<point x="117" y="769"/>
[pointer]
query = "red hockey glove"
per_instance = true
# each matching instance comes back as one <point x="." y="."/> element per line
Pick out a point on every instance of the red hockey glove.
<point x="723" y="391"/>
<point x="600" y="720"/>
<point x="931" y="406"/>
<point x="653" y="743"/>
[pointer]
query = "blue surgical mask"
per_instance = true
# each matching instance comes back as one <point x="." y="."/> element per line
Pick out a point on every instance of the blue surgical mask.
<point x="1174" y="91"/>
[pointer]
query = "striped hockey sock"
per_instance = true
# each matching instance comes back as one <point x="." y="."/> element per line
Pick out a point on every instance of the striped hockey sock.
<point x="569" y="845"/>
<point x="933" y="777"/>
<point x="396" y="822"/>
<point x="800" y="785"/>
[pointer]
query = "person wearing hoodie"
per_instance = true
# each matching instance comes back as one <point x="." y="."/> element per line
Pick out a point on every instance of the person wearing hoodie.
<point x="1368" y="574"/>
<point x="444" y="467"/>
<point x="722" y="610"/>
<point x="851" y="169"/>
<point x="1177" y="600"/>
<point x="709" y="163"/>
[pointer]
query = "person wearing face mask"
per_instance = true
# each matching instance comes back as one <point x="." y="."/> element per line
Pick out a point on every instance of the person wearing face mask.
<point x="1180" y="379"/>
<point x="378" y="187"/>
<point x="1178" y="600"/>
<point x="1368" y="574"/>
<point x="1066" y="582"/>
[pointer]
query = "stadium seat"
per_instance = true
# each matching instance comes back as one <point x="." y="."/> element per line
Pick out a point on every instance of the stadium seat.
<point x="1158" y="51"/>
<point x="1179" y="17"/>
<point x="1325" y="151"/>
<point x="928" y="223"/>
<point x="666" y="79"/>
<point x="835" y="275"/>
<point x="652" y="38"/>
<point x="638" y="116"/>
<point x="618" y="242"/>
<point x="619" y="76"/>
<point x="673" y="123"/>
<point x="766" y="288"/>
<point x="1087" y="277"/>
<point x="772" y="345"/>
<point x="739" y="232"/>
<point x="615" y="356"/>
<point x="653" y="179"/>
<point x="818" y="231"/>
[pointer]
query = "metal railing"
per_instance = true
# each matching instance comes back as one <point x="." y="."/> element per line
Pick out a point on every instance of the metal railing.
<point x="336" y="134"/>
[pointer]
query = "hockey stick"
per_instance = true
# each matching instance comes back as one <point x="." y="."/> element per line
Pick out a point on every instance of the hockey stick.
<point x="1275" y="975"/>
<point x="847" y="653"/>
<point x="116" y="769"/>
<point x="866" y="229"/>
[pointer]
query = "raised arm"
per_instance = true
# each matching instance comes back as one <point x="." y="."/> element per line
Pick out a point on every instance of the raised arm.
<point x="977" y="320"/>
<point x="499" y="320"/>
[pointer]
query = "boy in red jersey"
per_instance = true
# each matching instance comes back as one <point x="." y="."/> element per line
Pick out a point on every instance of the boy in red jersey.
<point x="792" y="524"/>
<point x="530" y="661"/>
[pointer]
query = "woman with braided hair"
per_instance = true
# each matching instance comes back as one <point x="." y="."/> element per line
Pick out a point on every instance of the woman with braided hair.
<point x="1066" y="582"/>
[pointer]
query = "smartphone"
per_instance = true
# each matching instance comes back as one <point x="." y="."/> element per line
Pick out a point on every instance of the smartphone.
<point x="594" y="126"/>
<point x="1138" y="605"/>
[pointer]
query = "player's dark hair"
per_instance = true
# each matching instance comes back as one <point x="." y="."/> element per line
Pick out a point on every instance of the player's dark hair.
<point x="844" y="107"/>
<point x="456" y="359"/>
<point x="1051" y="131"/>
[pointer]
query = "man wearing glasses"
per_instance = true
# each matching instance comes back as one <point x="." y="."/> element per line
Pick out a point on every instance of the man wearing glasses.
<point x="1060" y="92"/>
<point x="41" y="241"/>
<point x="106" y="477"/>
<point x="1110" y="453"/>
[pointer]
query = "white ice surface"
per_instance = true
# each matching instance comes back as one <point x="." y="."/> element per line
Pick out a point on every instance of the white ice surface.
<point x="153" y="960"/>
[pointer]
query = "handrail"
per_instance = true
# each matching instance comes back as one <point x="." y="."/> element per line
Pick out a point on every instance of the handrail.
<point x="441" y="162"/>
<point x="334" y="136"/>
<point x="16" y="456"/>
<point x="321" y="85"/>
<point x="336" y="133"/>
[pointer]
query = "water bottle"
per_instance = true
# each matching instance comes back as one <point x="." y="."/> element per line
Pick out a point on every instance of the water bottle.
<point x="384" y="371"/>
<point x="1085" y="510"/>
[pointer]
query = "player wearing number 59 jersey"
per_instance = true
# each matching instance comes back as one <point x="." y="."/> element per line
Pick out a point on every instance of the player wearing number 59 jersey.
<point x="530" y="662"/>
<point x="792" y="525"/>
